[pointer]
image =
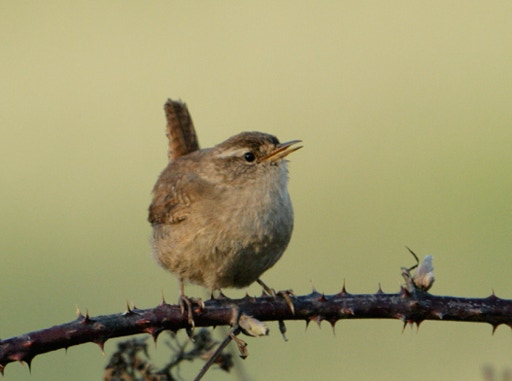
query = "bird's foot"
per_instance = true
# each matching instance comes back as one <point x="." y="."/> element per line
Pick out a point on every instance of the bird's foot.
<point x="287" y="295"/>
<point x="187" y="304"/>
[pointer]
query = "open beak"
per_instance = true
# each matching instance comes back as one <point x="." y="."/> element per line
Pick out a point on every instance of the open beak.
<point x="282" y="150"/>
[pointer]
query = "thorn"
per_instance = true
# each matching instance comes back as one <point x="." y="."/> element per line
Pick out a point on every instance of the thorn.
<point x="322" y="298"/>
<point x="343" y="289"/>
<point x="86" y="319"/>
<point x="317" y="319"/>
<point x="155" y="335"/>
<point x="2" y="367"/>
<point x="154" y="332"/>
<point x="128" y="309"/>
<point x="101" y="344"/>
<point x="379" y="291"/>
<point x="78" y="312"/>
<point x="493" y="296"/>
<point x="307" y="324"/>
<point x="28" y="361"/>
<point x="407" y="322"/>
<point x="494" y="327"/>
<point x="315" y="293"/>
<point x="163" y="299"/>
<point x="418" y="325"/>
<point x="333" y="325"/>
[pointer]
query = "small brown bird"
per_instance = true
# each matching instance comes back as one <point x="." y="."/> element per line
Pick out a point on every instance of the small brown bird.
<point x="222" y="216"/>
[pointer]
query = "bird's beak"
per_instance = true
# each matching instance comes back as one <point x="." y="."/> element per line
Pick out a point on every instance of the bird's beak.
<point x="282" y="150"/>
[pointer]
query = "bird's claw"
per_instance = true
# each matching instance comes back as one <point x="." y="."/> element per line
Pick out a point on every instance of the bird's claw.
<point x="187" y="303"/>
<point x="286" y="295"/>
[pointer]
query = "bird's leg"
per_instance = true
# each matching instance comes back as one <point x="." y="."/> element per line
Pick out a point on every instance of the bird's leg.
<point x="186" y="303"/>
<point x="220" y="295"/>
<point x="286" y="294"/>
<point x="266" y="289"/>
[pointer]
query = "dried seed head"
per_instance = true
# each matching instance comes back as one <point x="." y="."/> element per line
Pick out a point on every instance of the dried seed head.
<point x="423" y="278"/>
<point x="252" y="327"/>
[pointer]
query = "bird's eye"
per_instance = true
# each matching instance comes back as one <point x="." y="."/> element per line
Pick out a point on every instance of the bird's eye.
<point x="249" y="157"/>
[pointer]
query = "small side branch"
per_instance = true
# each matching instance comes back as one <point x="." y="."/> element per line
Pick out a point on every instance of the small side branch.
<point x="408" y="306"/>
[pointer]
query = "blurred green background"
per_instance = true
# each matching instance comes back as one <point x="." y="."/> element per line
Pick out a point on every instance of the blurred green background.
<point x="405" y="110"/>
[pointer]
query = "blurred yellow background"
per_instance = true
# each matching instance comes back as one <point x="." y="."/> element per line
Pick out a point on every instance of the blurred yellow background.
<point x="405" y="110"/>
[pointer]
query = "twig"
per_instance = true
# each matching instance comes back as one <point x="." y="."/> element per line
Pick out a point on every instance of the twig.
<point x="233" y="332"/>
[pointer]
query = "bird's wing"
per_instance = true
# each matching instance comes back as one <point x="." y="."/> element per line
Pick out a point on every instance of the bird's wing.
<point x="172" y="196"/>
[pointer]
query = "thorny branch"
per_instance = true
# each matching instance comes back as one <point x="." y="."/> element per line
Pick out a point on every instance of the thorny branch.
<point x="410" y="305"/>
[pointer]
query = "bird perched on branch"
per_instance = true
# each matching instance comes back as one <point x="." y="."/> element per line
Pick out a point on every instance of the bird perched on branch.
<point x="221" y="216"/>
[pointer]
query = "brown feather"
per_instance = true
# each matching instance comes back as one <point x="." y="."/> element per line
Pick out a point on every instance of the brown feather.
<point x="180" y="130"/>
